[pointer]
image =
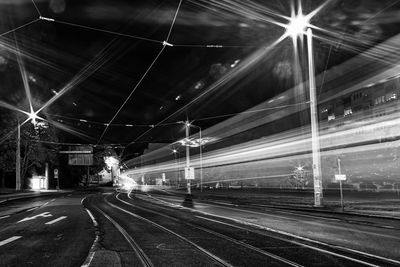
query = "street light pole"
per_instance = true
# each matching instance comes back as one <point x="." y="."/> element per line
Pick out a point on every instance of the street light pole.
<point x="187" y="125"/>
<point x="201" y="162"/>
<point x="201" y="156"/>
<point x="318" y="195"/>
<point x="18" y="160"/>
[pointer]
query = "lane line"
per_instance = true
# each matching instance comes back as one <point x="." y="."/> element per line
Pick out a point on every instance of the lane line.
<point x="4" y="217"/>
<point x="11" y="239"/>
<point x="92" y="217"/>
<point x="92" y="250"/>
<point x="56" y="220"/>
<point x="34" y="208"/>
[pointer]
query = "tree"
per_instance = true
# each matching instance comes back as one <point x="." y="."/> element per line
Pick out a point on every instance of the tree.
<point x="38" y="145"/>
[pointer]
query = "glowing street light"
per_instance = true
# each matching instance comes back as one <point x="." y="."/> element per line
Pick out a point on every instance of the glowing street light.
<point x="297" y="26"/>
<point x="32" y="116"/>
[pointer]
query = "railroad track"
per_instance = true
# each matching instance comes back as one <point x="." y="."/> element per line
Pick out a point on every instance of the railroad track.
<point x="143" y="257"/>
<point x="222" y="236"/>
<point x="352" y="257"/>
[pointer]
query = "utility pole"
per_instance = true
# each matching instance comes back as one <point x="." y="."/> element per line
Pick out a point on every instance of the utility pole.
<point x="317" y="173"/>
<point x="18" y="160"/>
<point x="201" y="163"/>
<point x="187" y="125"/>
<point x="340" y="183"/>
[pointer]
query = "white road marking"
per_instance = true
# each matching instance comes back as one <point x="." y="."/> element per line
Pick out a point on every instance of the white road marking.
<point x="52" y="200"/>
<point x="34" y="208"/>
<point x="69" y="195"/>
<point x="46" y="203"/>
<point x="4" y="217"/>
<point x="92" y="217"/>
<point x="83" y="199"/>
<point x="11" y="239"/>
<point x="44" y="215"/>
<point x="56" y="220"/>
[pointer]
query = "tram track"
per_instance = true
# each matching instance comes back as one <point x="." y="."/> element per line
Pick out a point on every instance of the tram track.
<point x="348" y="255"/>
<point x="148" y="252"/>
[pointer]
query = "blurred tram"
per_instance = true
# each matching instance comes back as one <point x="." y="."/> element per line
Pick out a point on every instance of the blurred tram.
<point x="361" y="127"/>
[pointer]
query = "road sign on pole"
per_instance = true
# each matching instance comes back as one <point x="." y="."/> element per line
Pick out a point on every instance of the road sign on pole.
<point x="340" y="177"/>
<point x="189" y="173"/>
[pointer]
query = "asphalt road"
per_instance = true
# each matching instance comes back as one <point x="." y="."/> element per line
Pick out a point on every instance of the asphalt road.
<point x="148" y="229"/>
<point x="45" y="231"/>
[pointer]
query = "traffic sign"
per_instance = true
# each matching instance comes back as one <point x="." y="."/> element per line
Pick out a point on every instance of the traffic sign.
<point x="340" y="177"/>
<point x="189" y="173"/>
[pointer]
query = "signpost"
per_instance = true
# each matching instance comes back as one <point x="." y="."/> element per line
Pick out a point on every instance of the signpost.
<point x="189" y="173"/>
<point x="340" y="177"/>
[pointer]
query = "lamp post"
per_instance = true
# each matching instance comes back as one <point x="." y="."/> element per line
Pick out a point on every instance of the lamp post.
<point x="298" y="24"/>
<point x="175" y="151"/>
<point x="18" y="159"/>
<point x="201" y="158"/>
<point x="187" y="125"/>
<point x="317" y="173"/>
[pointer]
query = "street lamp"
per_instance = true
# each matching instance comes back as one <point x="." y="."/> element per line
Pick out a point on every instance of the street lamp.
<point x="187" y="170"/>
<point x="201" y="158"/>
<point x="32" y="116"/>
<point x="298" y="24"/>
<point x="175" y="152"/>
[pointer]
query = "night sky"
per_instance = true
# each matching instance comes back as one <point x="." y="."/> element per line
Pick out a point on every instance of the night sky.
<point x="110" y="59"/>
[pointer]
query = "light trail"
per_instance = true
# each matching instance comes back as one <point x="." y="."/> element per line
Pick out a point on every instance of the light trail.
<point x="24" y="78"/>
<point x="235" y="73"/>
<point x="99" y="60"/>
<point x="279" y="150"/>
<point x="131" y="93"/>
<point x="72" y="131"/>
<point x="165" y="43"/>
<point x="9" y="46"/>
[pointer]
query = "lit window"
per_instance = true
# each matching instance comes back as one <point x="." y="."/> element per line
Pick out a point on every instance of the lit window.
<point x="324" y="110"/>
<point x="348" y="111"/>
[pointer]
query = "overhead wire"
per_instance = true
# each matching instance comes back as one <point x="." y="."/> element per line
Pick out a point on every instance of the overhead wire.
<point x="37" y="9"/>
<point x="19" y="27"/>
